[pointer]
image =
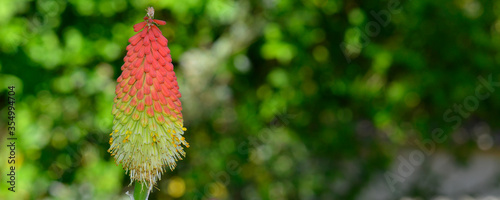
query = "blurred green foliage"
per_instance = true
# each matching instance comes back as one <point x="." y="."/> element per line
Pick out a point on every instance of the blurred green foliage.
<point x="282" y="99"/>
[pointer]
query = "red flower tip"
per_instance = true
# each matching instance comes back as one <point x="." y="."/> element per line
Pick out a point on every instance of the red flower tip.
<point x="139" y="26"/>
<point x="159" y="22"/>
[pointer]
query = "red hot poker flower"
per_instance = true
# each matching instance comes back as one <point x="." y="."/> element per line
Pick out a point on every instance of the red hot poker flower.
<point x="148" y="125"/>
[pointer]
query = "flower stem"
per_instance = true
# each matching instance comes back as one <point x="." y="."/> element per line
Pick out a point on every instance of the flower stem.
<point x="140" y="192"/>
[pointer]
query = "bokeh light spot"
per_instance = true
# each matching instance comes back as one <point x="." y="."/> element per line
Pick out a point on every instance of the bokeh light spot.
<point x="176" y="187"/>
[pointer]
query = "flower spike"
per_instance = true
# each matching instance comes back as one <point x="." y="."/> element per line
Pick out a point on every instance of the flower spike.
<point x="148" y="127"/>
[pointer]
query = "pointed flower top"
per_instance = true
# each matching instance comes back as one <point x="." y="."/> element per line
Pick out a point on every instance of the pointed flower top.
<point x="148" y="124"/>
<point x="151" y="12"/>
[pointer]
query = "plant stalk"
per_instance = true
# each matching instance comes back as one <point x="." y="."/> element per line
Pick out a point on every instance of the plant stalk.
<point x="140" y="192"/>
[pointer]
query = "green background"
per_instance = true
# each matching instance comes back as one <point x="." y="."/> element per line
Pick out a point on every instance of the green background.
<point x="282" y="99"/>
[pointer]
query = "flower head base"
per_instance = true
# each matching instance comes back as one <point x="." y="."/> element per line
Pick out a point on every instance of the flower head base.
<point x="148" y="125"/>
